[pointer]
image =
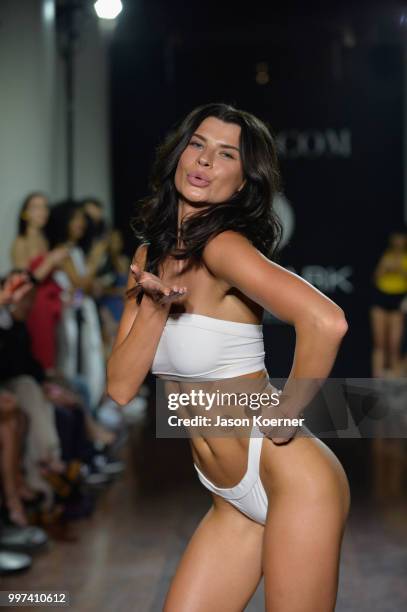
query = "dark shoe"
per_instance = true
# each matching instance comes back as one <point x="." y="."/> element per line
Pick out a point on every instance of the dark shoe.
<point x="13" y="562"/>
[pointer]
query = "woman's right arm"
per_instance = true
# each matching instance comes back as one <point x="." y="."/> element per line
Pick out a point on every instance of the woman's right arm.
<point x="19" y="256"/>
<point x="20" y="259"/>
<point x="136" y="341"/>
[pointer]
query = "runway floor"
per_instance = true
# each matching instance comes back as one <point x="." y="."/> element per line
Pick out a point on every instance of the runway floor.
<point x="127" y="551"/>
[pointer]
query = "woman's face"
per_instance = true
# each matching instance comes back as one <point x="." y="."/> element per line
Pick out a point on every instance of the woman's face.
<point x="37" y="212"/>
<point x="210" y="167"/>
<point x="398" y="241"/>
<point x="94" y="211"/>
<point x="76" y="226"/>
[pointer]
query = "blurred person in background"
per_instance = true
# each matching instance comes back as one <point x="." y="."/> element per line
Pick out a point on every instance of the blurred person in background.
<point x="22" y="375"/>
<point x="79" y="338"/>
<point x="13" y="423"/>
<point x="386" y="315"/>
<point x="96" y="225"/>
<point x="113" y="276"/>
<point x="30" y="250"/>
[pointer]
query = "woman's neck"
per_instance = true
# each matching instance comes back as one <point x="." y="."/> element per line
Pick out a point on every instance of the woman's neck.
<point x="33" y="232"/>
<point x="186" y="209"/>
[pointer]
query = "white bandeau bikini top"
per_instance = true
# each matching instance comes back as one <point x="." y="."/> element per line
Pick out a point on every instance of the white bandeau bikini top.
<point x="201" y="347"/>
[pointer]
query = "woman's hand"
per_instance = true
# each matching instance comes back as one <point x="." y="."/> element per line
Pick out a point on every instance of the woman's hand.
<point x="60" y="395"/>
<point x="287" y="435"/>
<point x="15" y="287"/>
<point x="58" y="255"/>
<point x="8" y="401"/>
<point x="154" y="287"/>
<point x="98" y="250"/>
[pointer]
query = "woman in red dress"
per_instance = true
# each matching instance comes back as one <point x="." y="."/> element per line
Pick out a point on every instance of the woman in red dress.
<point x="30" y="251"/>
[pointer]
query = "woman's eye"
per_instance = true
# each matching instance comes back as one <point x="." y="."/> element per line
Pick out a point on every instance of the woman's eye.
<point x="228" y="155"/>
<point x="193" y="142"/>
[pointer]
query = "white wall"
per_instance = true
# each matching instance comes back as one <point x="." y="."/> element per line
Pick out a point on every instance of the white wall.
<point x="32" y="122"/>
<point x="405" y="133"/>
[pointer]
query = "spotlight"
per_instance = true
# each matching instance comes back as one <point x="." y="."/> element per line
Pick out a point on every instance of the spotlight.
<point x="108" y="9"/>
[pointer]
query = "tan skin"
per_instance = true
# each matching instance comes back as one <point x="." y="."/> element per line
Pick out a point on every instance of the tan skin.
<point x="89" y="285"/>
<point x="76" y="229"/>
<point x="12" y="484"/>
<point x="387" y="331"/>
<point x="387" y="325"/>
<point x="307" y="488"/>
<point x="15" y="289"/>
<point x="34" y="243"/>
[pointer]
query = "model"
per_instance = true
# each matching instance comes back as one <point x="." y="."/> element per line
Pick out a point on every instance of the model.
<point x="197" y="288"/>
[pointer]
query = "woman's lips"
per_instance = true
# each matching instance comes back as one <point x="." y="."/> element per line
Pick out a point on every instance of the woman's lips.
<point x="197" y="182"/>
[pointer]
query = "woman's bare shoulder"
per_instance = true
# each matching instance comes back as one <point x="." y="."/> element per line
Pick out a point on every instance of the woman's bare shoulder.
<point x="226" y="240"/>
<point x="228" y="244"/>
<point x="19" y="242"/>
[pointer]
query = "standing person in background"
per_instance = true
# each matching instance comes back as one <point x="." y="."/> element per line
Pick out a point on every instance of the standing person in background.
<point x="113" y="275"/>
<point x="30" y="250"/>
<point x="386" y="316"/>
<point x="96" y="225"/>
<point x="80" y="346"/>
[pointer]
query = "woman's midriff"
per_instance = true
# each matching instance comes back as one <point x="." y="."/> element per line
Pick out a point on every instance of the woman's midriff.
<point x="305" y="464"/>
<point x="223" y="459"/>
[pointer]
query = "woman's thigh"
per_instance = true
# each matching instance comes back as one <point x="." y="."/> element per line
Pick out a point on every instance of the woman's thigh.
<point x="396" y="327"/>
<point x="308" y="505"/>
<point x="379" y="323"/>
<point x="221" y="566"/>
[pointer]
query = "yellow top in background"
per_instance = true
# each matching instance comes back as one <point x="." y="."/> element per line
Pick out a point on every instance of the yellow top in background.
<point x="393" y="281"/>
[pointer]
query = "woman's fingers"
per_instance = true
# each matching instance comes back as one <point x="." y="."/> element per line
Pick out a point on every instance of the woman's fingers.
<point x="135" y="268"/>
<point x="171" y="295"/>
<point x="153" y="286"/>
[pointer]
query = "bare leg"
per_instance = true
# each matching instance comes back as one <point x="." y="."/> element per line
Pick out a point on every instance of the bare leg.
<point x="24" y="490"/>
<point x="309" y="500"/>
<point x="302" y="541"/>
<point x="8" y="444"/>
<point x="221" y="566"/>
<point x="42" y="442"/>
<point x="378" y="321"/>
<point x="396" y="452"/>
<point x="396" y="326"/>
<point x="379" y="463"/>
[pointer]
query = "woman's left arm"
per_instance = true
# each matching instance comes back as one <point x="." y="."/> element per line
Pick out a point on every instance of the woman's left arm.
<point x="319" y="323"/>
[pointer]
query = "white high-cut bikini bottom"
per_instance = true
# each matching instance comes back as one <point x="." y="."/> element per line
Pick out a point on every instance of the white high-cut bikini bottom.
<point x="248" y="495"/>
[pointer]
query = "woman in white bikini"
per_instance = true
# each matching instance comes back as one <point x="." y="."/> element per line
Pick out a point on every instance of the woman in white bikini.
<point x="197" y="288"/>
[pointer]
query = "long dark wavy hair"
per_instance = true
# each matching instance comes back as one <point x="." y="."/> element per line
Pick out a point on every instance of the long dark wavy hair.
<point x="248" y="211"/>
<point x="22" y="223"/>
<point x="60" y="215"/>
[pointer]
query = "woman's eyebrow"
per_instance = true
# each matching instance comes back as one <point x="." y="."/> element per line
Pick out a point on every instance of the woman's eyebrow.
<point x="222" y="144"/>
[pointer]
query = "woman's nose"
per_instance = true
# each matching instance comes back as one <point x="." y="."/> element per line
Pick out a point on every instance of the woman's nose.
<point x="205" y="160"/>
